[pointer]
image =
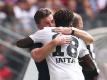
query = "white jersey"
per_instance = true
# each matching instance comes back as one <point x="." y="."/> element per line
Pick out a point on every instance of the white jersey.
<point x="63" y="61"/>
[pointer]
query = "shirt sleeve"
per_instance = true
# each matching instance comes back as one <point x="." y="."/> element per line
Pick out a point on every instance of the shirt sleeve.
<point x="36" y="45"/>
<point x="83" y="49"/>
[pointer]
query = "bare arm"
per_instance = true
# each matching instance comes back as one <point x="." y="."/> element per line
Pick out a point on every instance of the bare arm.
<point x="39" y="54"/>
<point x="87" y="38"/>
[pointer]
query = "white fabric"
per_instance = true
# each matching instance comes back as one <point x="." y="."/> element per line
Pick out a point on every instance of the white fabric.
<point x="65" y="67"/>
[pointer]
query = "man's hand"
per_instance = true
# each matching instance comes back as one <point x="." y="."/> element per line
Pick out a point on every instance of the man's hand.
<point x="62" y="39"/>
<point x="63" y="30"/>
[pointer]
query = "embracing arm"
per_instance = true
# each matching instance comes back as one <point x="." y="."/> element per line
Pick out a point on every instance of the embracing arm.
<point x="39" y="54"/>
<point x="25" y="43"/>
<point x="86" y="37"/>
<point x="87" y="63"/>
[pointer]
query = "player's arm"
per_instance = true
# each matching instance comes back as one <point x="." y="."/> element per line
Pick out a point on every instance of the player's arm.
<point x="89" y="67"/>
<point x="25" y="43"/>
<point x="89" y="74"/>
<point x="39" y="54"/>
<point x="87" y="63"/>
<point x="86" y="37"/>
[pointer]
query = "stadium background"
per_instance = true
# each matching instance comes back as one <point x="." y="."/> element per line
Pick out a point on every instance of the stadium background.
<point x="16" y="22"/>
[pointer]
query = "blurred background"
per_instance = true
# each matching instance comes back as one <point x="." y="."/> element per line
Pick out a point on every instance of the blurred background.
<point x="16" y="22"/>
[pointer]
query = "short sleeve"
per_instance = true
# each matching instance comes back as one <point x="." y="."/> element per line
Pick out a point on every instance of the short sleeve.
<point x="83" y="49"/>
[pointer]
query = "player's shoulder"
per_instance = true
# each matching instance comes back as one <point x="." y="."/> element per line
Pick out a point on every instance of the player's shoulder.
<point x="41" y="31"/>
<point x="46" y="29"/>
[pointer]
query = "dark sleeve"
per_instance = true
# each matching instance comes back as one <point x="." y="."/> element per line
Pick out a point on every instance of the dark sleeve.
<point x="36" y="45"/>
<point x="87" y="63"/>
<point x="89" y="68"/>
<point x="25" y="43"/>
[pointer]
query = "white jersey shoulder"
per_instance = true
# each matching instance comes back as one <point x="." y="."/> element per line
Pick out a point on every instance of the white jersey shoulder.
<point x="42" y="36"/>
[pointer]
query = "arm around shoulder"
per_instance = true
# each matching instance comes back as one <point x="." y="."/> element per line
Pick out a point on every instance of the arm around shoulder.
<point x="86" y="37"/>
<point x="38" y="54"/>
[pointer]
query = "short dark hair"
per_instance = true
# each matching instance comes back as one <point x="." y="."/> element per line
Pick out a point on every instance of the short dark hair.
<point x="42" y="13"/>
<point x="63" y="17"/>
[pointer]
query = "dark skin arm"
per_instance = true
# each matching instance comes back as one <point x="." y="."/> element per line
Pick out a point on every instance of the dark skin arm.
<point x="25" y="43"/>
<point x="88" y="63"/>
<point x="88" y="66"/>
